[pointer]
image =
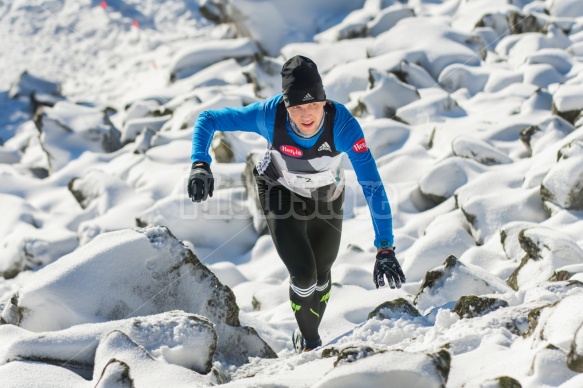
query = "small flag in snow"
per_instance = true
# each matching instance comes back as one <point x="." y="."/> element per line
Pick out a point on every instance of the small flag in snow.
<point x="135" y="23"/>
<point x="104" y="4"/>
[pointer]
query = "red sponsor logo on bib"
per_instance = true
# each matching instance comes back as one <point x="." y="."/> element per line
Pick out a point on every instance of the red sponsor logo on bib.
<point x="360" y="146"/>
<point x="292" y="151"/>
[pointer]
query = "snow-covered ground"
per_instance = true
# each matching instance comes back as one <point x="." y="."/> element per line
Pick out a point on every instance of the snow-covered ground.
<point x="112" y="277"/>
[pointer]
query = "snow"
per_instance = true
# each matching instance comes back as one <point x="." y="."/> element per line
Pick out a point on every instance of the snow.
<point x="111" y="276"/>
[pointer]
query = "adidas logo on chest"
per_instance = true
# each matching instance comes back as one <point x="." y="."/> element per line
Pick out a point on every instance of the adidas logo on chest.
<point x="325" y="147"/>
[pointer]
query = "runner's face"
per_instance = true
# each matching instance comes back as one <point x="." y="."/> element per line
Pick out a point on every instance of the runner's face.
<point x="307" y="117"/>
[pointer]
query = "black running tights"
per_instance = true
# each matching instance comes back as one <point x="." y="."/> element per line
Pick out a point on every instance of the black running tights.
<point x="306" y="234"/>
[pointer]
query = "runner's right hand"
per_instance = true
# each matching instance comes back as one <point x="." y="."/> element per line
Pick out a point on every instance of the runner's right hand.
<point x="201" y="182"/>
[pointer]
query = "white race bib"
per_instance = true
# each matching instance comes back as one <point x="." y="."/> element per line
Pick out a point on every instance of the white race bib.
<point x="309" y="181"/>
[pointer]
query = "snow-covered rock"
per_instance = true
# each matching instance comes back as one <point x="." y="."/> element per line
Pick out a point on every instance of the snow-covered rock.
<point x="69" y="129"/>
<point x="546" y="250"/>
<point x="399" y="368"/>
<point x="289" y="23"/>
<point x="441" y="181"/>
<point x="134" y="273"/>
<point x="29" y="84"/>
<point x="563" y="184"/>
<point x="568" y="102"/>
<point x="453" y="280"/>
<point x="202" y="54"/>
<point x="471" y="306"/>
<point x="174" y="337"/>
<point x="480" y="151"/>
<point x="384" y="95"/>
<point x="432" y="37"/>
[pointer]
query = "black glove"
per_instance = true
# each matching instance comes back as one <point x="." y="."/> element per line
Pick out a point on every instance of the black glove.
<point x="387" y="265"/>
<point x="201" y="182"/>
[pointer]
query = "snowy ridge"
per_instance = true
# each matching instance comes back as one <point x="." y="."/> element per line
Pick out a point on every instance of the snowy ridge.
<point x="112" y="277"/>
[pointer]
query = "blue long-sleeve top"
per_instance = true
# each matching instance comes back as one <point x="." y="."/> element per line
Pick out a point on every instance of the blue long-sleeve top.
<point x="259" y="118"/>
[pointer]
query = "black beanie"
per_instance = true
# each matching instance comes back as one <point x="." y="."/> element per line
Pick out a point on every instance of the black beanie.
<point x="300" y="82"/>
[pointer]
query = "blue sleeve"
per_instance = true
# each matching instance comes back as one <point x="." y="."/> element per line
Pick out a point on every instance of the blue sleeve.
<point x="349" y="138"/>
<point x="258" y="117"/>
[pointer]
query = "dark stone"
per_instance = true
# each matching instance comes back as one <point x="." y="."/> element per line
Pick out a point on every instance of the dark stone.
<point x="353" y="353"/>
<point x="507" y="382"/>
<point x="222" y="149"/>
<point x="120" y="372"/>
<point x="397" y="306"/>
<point x="472" y="306"/>
<point x="442" y="362"/>
<point x="574" y="358"/>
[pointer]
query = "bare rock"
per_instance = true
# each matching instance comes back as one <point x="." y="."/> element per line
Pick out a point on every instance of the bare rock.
<point x="474" y="306"/>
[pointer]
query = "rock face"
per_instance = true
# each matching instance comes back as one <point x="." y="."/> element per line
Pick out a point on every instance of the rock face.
<point x="134" y="273"/>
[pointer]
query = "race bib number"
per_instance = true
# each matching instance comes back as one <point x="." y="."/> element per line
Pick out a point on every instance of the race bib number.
<point x="309" y="181"/>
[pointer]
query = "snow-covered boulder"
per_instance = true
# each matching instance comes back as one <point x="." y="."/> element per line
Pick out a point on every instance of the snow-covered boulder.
<point x="568" y="102"/>
<point x="441" y="181"/>
<point x="388" y="18"/>
<point x="133" y="127"/>
<point x="541" y="75"/>
<point x="68" y="130"/>
<point x="28" y="238"/>
<point x="457" y="76"/>
<point x="28" y="84"/>
<point x="555" y="57"/>
<point x="384" y="95"/>
<point x="575" y="356"/>
<point x="559" y="324"/>
<point x="546" y="250"/>
<point x="384" y="136"/>
<point x="491" y="201"/>
<point x="353" y="76"/>
<point x="288" y="22"/>
<point x="133" y="273"/>
<point x="203" y="54"/>
<point x="394" y="308"/>
<point x="118" y="356"/>
<point x="446" y="235"/>
<point x="509" y="238"/>
<point x="563" y="184"/>
<point x="549" y="367"/>
<point x="327" y="55"/>
<point x="353" y="26"/>
<point x="264" y="72"/>
<point x="441" y="44"/>
<point x="566" y="8"/>
<point x="453" y="280"/>
<point x="175" y="337"/>
<point x="414" y="75"/>
<point x="435" y="106"/>
<point x="233" y="147"/>
<point x="253" y="204"/>
<point x="402" y="369"/>
<point x="471" y="306"/>
<point x="226" y="211"/>
<point x="537" y="138"/>
<point x="112" y="203"/>
<point x="478" y="150"/>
